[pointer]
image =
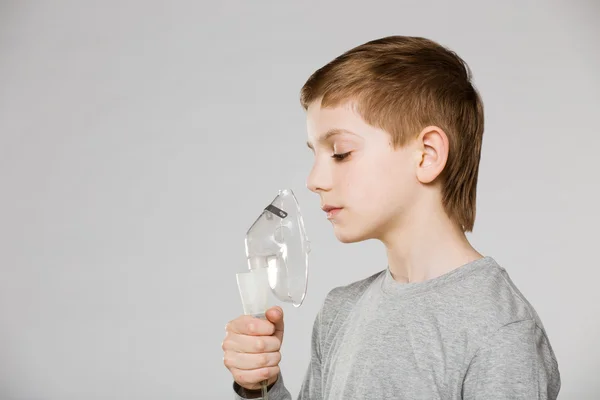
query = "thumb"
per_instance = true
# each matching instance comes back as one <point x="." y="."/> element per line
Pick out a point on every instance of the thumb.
<point x="275" y="315"/>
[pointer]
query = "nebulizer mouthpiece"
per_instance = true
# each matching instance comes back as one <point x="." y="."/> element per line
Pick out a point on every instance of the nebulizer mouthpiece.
<point x="277" y="251"/>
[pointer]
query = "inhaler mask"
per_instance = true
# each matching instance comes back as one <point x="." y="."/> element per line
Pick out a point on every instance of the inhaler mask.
<point x="277" y="251"/>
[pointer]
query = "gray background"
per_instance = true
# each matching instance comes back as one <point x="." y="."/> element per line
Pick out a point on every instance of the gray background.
<point x="138" y="142"/>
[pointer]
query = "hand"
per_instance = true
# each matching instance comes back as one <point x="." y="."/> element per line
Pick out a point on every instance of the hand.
<point x="251" y="348"/>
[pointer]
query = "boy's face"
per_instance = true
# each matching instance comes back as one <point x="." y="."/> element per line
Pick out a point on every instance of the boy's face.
<point x="356" y="169"/>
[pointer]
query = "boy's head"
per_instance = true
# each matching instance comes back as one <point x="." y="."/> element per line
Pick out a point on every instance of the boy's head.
<point x="396" y="127"/>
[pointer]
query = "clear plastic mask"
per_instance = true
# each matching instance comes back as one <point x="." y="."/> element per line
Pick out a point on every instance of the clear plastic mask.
<point x="277" y="241"/>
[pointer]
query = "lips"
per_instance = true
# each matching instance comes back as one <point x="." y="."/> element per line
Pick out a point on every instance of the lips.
<point x="331" y="211"/>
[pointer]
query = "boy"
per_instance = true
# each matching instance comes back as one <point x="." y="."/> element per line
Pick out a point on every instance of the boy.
<point x="396" y="129"/>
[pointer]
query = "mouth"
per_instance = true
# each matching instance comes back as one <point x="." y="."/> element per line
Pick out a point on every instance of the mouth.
<point x="331" y="211"/>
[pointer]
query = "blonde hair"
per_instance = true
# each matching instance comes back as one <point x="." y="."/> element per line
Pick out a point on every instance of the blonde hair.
<point x="403" y="84"/>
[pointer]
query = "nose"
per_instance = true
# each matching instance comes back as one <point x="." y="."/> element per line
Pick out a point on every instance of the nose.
<point x="319" y="178"/>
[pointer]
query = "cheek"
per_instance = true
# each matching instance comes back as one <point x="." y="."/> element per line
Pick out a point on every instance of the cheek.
<point x="369" y="184"/>
<point x="387" y="186"/>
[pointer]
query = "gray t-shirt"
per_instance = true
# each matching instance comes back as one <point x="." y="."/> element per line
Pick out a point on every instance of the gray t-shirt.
<point x="468" y="334"/>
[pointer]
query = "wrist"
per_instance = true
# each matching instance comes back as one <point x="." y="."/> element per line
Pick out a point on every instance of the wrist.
<point x="251" y="393"/>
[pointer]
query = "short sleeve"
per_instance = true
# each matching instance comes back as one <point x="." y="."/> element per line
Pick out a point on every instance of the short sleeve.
<point x="517" y="362"/>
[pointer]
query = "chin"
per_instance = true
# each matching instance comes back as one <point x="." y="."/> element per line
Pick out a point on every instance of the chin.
<point x="345" y="235"/>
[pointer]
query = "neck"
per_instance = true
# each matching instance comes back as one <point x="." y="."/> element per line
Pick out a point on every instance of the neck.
<point x="427" y="246"/>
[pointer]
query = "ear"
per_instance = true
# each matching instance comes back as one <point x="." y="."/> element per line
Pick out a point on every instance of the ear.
<point x="433" y="148"/>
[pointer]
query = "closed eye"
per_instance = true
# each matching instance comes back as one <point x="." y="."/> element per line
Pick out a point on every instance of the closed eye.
<point x="339" y="157"/>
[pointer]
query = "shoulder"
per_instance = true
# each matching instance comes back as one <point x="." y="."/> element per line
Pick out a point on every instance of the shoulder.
<point x="497" y="298"/>
<point x="340" y="300"/>
<point x="491" y="304"/>
<point x="350" y="291"/>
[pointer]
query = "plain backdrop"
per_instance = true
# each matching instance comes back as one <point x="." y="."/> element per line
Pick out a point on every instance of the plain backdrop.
<point x="139" y="141"/>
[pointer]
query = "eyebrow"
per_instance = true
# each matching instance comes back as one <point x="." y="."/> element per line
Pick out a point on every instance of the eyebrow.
<point x="329" y="134"/>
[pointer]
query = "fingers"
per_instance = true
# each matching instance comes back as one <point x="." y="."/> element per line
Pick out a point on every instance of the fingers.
<point x="251" y="379"/>
<point x="251" y="344"/>
<point x="275" y="315"/>
<point x="247" y="361"/>
<point x="251" y="348"/>
<point x="248" y="325"/>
